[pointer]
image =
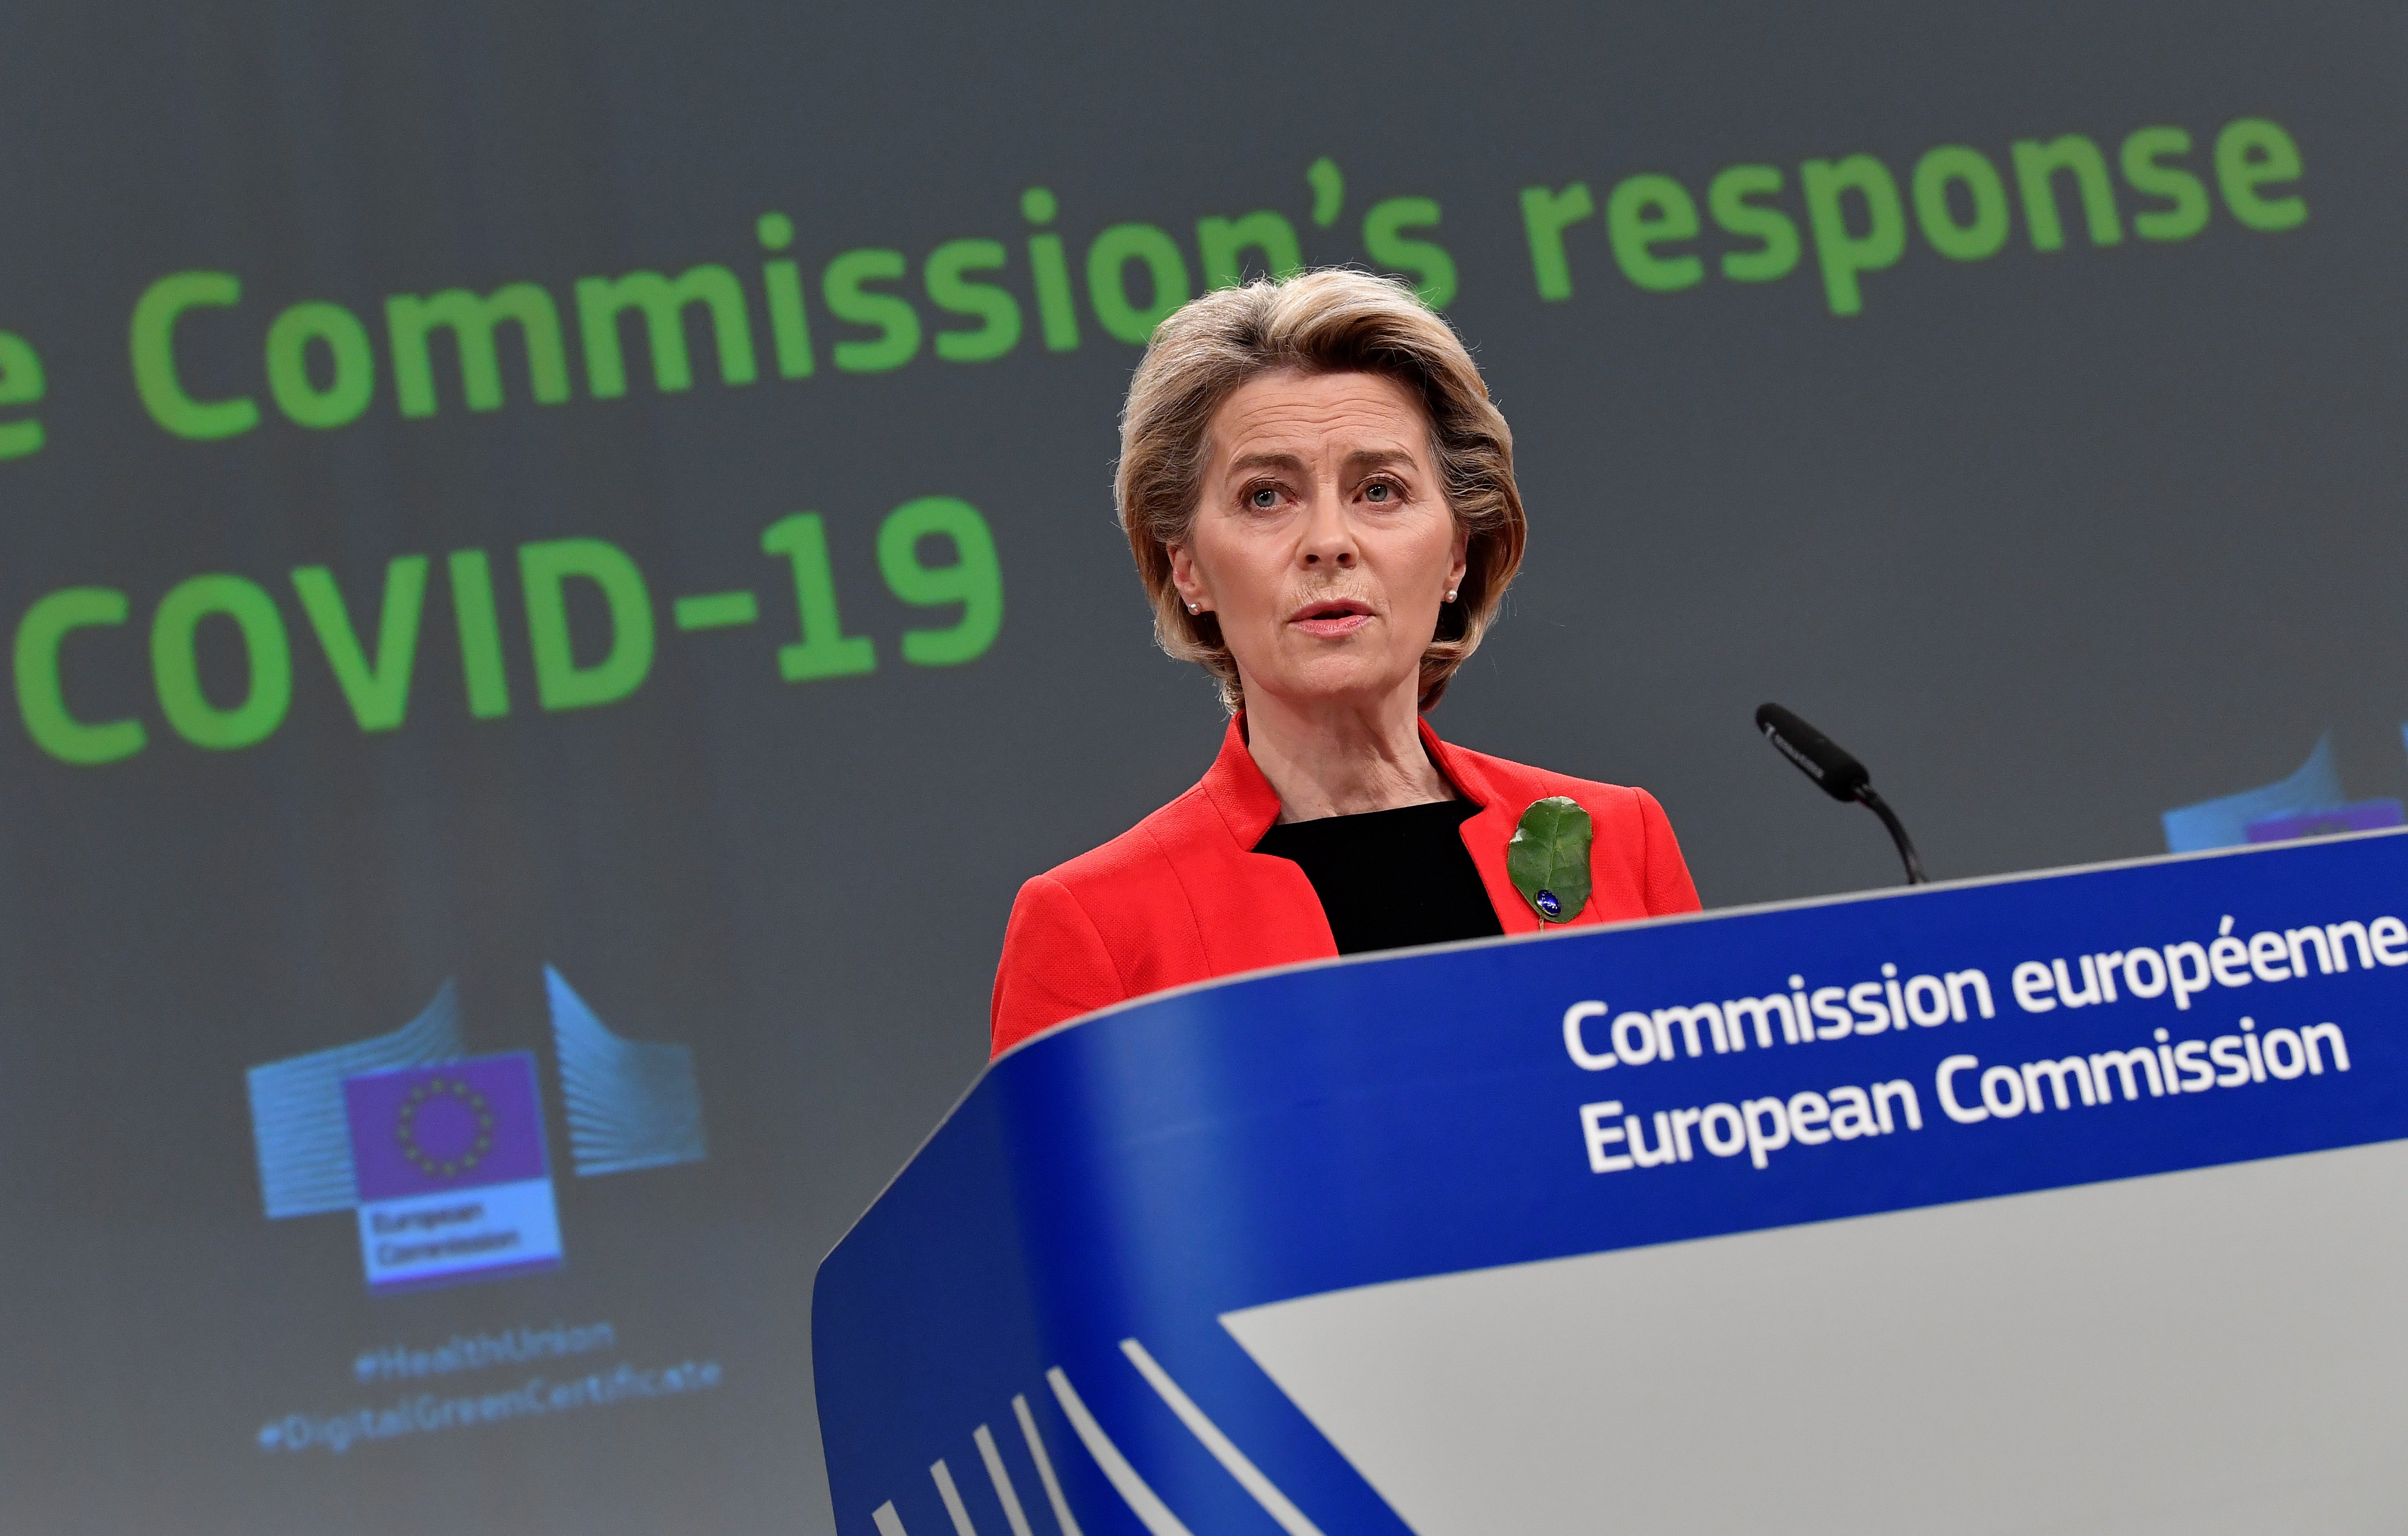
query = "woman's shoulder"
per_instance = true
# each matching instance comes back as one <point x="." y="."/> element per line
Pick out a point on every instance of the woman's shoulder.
<point x="1117" y="921"/>
<point x="1141" y="855"/>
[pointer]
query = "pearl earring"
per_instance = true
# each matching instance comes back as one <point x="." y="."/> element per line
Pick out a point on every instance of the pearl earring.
<point x="1450" y="595"/>
<point x="1196" y="607"/>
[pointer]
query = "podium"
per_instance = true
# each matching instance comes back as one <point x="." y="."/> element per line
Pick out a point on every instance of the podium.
<point x="2068" y="1202"/>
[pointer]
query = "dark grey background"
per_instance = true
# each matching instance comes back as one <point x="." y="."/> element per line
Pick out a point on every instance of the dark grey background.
<point x="2053" y="542"/>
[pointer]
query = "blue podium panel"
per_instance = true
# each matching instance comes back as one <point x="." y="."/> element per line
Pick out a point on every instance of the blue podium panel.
<point x="2070" y="1202"/>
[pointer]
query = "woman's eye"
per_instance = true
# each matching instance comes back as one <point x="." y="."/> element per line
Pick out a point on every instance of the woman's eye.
<point x="1379" y="492"/>
<point x="1262" y="499"/>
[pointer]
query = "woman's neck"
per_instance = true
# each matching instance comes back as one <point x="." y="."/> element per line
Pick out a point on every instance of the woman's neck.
<point x="1329" y="758"/>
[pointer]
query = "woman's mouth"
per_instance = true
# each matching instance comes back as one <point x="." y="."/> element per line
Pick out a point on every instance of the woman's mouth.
<point x="1332" y="618"/>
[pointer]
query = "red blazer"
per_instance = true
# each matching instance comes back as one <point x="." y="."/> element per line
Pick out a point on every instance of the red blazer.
<point x="1183" y="896"/>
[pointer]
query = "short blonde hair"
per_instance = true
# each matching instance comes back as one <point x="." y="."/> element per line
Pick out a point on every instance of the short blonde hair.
<point x="1335" y="321"/>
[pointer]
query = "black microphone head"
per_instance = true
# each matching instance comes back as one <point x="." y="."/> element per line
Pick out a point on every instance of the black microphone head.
<point x="1817" y="757"/>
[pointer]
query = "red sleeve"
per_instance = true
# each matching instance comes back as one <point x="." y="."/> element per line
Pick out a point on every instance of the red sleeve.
<point x="1055" y="966"/>
<point x="1667" y="886"/>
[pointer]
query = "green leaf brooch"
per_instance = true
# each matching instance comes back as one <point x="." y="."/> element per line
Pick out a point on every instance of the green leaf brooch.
<point x="1547" y="859"/>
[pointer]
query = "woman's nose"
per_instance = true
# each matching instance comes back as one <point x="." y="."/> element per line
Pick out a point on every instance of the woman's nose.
<point x="1329" y="537"/>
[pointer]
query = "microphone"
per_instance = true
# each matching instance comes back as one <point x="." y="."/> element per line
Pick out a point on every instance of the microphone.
<point x="1841" y="776"/>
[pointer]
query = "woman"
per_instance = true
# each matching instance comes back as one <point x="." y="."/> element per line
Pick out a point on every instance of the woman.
<point x="1320" y="500"/>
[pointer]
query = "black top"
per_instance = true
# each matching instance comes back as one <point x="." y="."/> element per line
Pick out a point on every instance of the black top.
<point x="1391" y="878"/>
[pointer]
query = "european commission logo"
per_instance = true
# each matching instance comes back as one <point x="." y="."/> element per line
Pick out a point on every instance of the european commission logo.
<point x="441" y="1156"/>
<point x="450" y="1167"/>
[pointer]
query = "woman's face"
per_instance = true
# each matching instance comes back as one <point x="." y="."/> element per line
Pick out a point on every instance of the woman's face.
<point x="1322" y="542"/>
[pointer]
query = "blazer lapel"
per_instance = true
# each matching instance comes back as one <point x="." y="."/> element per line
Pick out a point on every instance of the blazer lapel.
<point x="1485" y="835"/>
<point x="1262" y="910"/>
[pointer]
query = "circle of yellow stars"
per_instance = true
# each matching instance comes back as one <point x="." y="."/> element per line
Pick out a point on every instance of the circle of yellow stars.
<point x="405" y="1133"/>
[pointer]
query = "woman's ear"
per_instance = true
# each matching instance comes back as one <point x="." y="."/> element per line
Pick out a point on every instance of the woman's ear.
<point x="1462" y="566"/>
<point x="1184" y="577"/>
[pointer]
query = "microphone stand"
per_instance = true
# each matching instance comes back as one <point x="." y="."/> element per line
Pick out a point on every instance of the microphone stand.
<point x="1879" y="806"/>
